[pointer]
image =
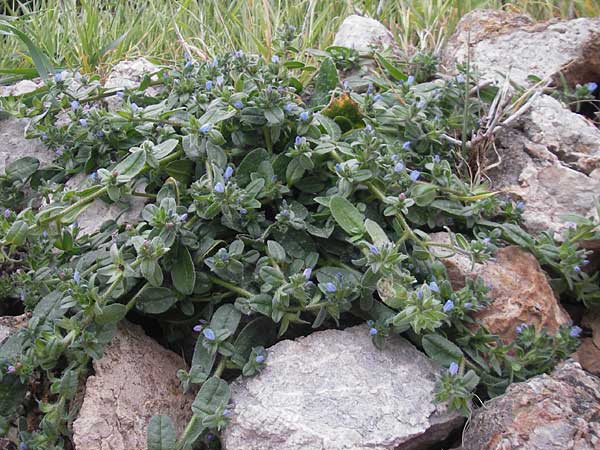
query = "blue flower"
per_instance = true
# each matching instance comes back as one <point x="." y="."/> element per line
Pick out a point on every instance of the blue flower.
<point x="460" y="78"/>
<point x="520" y="205"/>
<point x="243" y="211"/>
<point x="187" y="64"/>
<point x="197" y="328"/>
<point x="434" y="287"/>
<point x="7" y="213"/>
<point x="591" y="86"/>
<point x="520" y="328"/>
<point x="406" y="145"/>
<point x="183" y="217"/>
<point x="120" y="94"/>
<point x="83" y="122"/>
<point x="368" y="128"/>
<point x="285" y="213"/>
<point x="43" y="136"/>
<point x="58" y="152"/>
<point x="448" y="306"/>
<point x="44" y="234"/>
<point x="399" y="167"/>
<point x="330" y="287"/>
<point x="220" y="80"/>
<point x="414" y="175"/>
<point x="275" y="59"/>
<point x="260" y="359"/>
<point x="394" y="157"/>
<point x="22" y="296"/>
<point x="215" y="62"/>
<point x="307" y="273"/>
<point x="453" y="369"/>
<point x="11" y="369"/>
<point x="100" y="133"/>
<point x="370" y="88"/>
<point x="338" y="167"/>
<point x="134" y="107"/>
<point x="345" y="85"/>
<point x="468" y="305"/>
<point x="373" y="249"/>
<point x="238" y="54"/>
<point x="410" y="80"/>
<point x="228" y="173"/>
<point x="76" y="277"/>
<point x="436" y="158"/>
<point x="421" y="104"/>
<point x="227" y="413"/>
<point x="575" y="331"/>
<point x="238" y="104"/>
<point x="304" y="116"/>
<point x="208" y="85"/>
<point x="288" y="107"/>
<point x="299" y="140"/>
<point x="205" y="128"/>
<point x="372" y="331"/>
<point x="209" y="334"/>
<point x="75" y="105"/>
<point x="219" y="188"/>
<point x="23" y="446"/>
<point x="58" y="76"/>
<point x="419" y="294"/>
<point x="577" y="269"/>
<point x="377" y="97"/>
<point x="487" y="240"/>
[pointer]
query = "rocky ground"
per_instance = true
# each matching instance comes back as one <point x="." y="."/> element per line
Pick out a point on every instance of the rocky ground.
<point x="307" y="398"/>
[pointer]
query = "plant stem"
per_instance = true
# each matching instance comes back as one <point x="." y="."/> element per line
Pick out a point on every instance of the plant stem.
<point x="230" y="286"/>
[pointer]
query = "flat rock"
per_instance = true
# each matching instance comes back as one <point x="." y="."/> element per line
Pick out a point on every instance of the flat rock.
<point x="363" y="34"/>
<point x="334" y="390"/>
<point x="134" y="380"/>
<point x="498" y="43"/>
<point x="588" y="355"/>
<point x="20" y="88"/>
<point x="549" y="412"/>
<point x="14" y="144"/>
<point x="10" y="324"/>
<point x="520" y="292"/>
<point x="129" y="74"/>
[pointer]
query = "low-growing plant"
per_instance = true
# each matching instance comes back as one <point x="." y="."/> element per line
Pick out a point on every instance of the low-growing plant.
<point x="264" y="215"/>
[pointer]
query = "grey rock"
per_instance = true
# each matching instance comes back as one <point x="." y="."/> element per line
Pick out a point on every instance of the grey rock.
<point x="363" y="34"/>
<point x="134" y="380"/>
<point x="334" y="390"/>
<point x="549" y="412"/>
<point x="129" y="74"/>
<point x="14" y="144"/>
<point x="20" y="88"/>
<point x="10" y="324"/>
<point x="500" y="43"/>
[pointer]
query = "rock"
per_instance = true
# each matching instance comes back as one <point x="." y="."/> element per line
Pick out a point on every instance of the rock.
<point x="363" y="35"/>
<point x="10" y="324"/>
<point x="20" y="88"/>
<point x="588" y="355"/>
<point x="334" y="390"/>
<point x="549" y="412"/>
<point x="134" y="380"/>
<point x="520" y="291"/>
<point x="501" y="42"/>
<point x="129" y="74"/>
<point x="14" y="145"/>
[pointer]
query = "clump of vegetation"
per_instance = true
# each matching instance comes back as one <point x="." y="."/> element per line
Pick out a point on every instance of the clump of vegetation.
<point x="265" y="215"/>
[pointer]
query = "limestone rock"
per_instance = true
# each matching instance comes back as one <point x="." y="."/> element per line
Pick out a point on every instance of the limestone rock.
<point x="334" y="390"/>
<point x="129" y="74"/>
<point x="520" y="291"/>
<point x="134" y="380"/>
<point x="549" y="412"/>
<point x="501" y="42"/>
<point x="363" y="34"/>
<point x="10" y="324"/>
<point x="20" y="88"/>
<point x="14" y="145"/>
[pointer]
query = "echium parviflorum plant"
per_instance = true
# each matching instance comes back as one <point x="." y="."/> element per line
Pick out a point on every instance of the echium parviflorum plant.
<point x="277" y="197"/>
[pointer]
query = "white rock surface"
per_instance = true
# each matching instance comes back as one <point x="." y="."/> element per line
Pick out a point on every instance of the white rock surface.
<point x="14" y="145"/>
<point x="134" y="380"/>
<point x="334" y="390"/>
<point x="129" y="74"/>
<point x="20" y="88"/>
<point x="363" y="34"/>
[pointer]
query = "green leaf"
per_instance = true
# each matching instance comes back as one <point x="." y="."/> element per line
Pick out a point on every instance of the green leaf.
<point x="214" y="394"/>
<point x="441" y="349"/>
<point x="226" y="319"/>
<point x="259" y="332"/>
<point x="326" y="81"/>
<point x="276" y="251"/>
<point x="184" y="273"/>
<point x="394" y="72"/>
<point x="250" y="164"/>
<point x="182" y="170"/>
<point x="161" y="434"/>
<point x="155" y="300"/>
<point x="39" y="58"/>
<point x="17" y="233"/>
<point x="376" y="233"/>
<point x="112" y="313"/>
<point x="22" y="168"/>
<point x="346" y="215"/>
<point x="130" y="166"/>
<point x="165" y="148"/>
<point x="423" y="194"/>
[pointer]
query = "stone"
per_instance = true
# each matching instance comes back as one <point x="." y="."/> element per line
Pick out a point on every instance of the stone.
<point x="129" y="74"/>
<point x="334" y="390"/>
<point x="548" y="412"/>
<point x="20" y="88"/>
<point x="520" y="292"/>
<point x="134" y="380"/>
<point x="10" y="324"/>
<point x="501" y="43"/>
<point x="363" y="34"/>
<point x="588" y="355"/>
<point x="14" y="144"/>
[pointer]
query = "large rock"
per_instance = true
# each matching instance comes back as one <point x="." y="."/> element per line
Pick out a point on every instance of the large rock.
<point x="588" y="353"/>
<point x="498" y="43"/>
<point x="134" y="380"/>
<point x="20" y="88"/>
<point x="14" y="144"/>
<point x="548" y="412"/>
<point x="364" y="35"/>
<point x="334" y="390"/>
<point x="520" y="292"/>
<point x="129" y="74"/>
<point x="10" y="324"/>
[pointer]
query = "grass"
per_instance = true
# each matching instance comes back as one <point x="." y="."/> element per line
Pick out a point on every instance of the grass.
<point x="93" y="34"/>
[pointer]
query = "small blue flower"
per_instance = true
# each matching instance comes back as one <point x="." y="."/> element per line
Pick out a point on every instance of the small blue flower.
<point x="285" y="213"/>
<point x="577" y="269"/>
<point x="208" y="85"/>
<point x="260" y="359"/>
<point x="74" y="105"/>
<point x="58" y="76"/>
<point x="205" y="128"/>
<point x="227" y="413"/>
<point x="7" y="213"/>
<point x="330" y="287"/>
<point x="83" y="122"/>
<point x="238" y="54"/>
<point x="434" y="286"/>
<point x="377" y="97"/>
<point x="575" y="331"/>
<point x="22" y="296"/>
<point x="187" y="64"/>
<point x="436" y="158"/>
<point x="394" y="157"/>
<point x="338" y="167"/>
<point x="373" y="249"/>
<point x="215" y="62"/>
<point x="134" y="107"/>
<point x="487" y="240"/>
<point x="23" y="446"/>
<point x="419" y="294"/>
<point x="275" y="59"/>
<point x="520" y="328"/>
<point x="58" y="152"/>
<point x="368" y="128"/>
<point x="304" y="116"/>
<point x="209" y="334"/>
<point x="460" y="78"/>
<point x="243" y="211"/>
<point x="183" y="217"/>
<point x="585" y="262"/>
<point x="43" y="136"/>
<point x="307" y="273"/>
<point x="520" y="205"/>
<point x="299" y="140"/>
<point x="238" y="104"/>
<point x="11" y="369"/>
<point x="220" y="80"/>
<point x="219" y="188"/>
<point x="228" y="173"/>
<point x="345" y="85"/>
<point x="414" y="175"/>
<point x="44" y="234"/>
<point x="591" y="86"/>
<point x="100" y="133"/>
<point x="197" y="328"/>
<point x="399" y="167"/>
<point x="453" y="369"/>
<point x="448" y="306"/>
<point x="410" y="80"/>
<point x="372" y="331"/>
<point x="288" y="107"/>
<point x="406" y="145"/>
<point x="468" y="305"/>
<point x="120" y="94"/>
<point x="421" y="104"/>
<point x="76" y="277"/>
<point x="370" y="88"/>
